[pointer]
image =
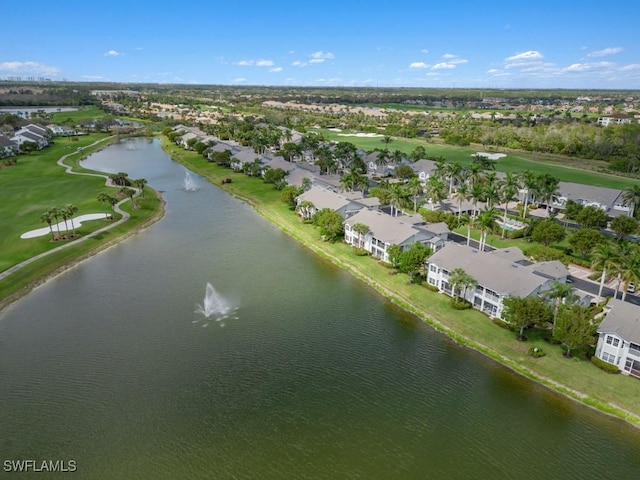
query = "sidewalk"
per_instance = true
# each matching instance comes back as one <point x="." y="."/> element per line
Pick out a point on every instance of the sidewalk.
<point x="583" y="274"/>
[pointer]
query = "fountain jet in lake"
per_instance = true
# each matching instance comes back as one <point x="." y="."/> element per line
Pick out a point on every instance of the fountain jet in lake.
<point x="189" y="184"/>
<point x="214" y="306"/>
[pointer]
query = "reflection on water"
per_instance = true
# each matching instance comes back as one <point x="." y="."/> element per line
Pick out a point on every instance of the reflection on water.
<point x="319" y="377"/>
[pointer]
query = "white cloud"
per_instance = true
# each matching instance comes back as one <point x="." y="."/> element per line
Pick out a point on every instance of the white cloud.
<point x="424" y="50"/>
<point x="240" y="80"/>
<point x="497" y="73"/>
<point x="628" y="68"/>
<point x="316" y="57"/>
<point x="443" y="66"/>
<point x="93" y="77"/>
<point x="113" y="53"/>
<point x="275" y="69"/>
<point x="458" y="61"/>
<point x="605" y="52"/>
<point x="525" y="56"/>
<point x="264" y="63"/>
<point x="419" y="65"/>
<point x="35" y="68"/>
<point x="449" y="55"/>
<point x="577" y="67"/>
<point x="320" y="56"/>
<point x="256" y="63"/>
<point x="581" y="67"/>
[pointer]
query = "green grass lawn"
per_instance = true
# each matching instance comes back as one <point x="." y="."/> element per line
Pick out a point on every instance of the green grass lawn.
<point x="566" y="170"/>
<point x="37" y="183"/>
<point x="575" y="377"/>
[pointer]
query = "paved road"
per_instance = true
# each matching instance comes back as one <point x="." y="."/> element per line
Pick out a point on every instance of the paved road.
<point x="68" y="169"/>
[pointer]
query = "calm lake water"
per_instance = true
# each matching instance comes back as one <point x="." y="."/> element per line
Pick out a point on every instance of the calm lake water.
<point x="313" y="375"/>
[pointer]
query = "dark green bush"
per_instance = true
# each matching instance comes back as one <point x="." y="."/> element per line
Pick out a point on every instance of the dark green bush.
<point x="361" y="252"/>
<point x="536" y="352"/>
<point x="460" y="304"/>
<point x="606" y="366"/>
<point x="502" y="324"/>
<point x="433" y="288"/>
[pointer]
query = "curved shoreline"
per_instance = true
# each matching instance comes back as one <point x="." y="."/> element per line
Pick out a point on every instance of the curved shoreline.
<point x="584" y="399"/>
<point x="29" y="287"/>
<point x="609" y="409"/>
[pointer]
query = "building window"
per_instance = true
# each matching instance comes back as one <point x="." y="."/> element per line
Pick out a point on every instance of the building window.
<point x="607" y="357"/>
<point x="433" y="268"/>
<point x="613" y="341"/>
<point x="634" y="349"/>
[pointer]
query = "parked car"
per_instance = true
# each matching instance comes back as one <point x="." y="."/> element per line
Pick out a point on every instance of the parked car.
<point x="631" y="288"/>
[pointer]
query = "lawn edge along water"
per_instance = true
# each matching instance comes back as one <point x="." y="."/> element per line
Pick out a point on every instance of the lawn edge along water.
<point x="442" y="322"/>
<point x="26" y="279"/>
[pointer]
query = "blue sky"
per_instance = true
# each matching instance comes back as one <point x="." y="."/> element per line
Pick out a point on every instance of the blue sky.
<point x="477" y="44"/>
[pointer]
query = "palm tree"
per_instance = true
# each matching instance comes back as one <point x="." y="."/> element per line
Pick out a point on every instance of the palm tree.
<point x="436" y="190"/>
<point x="396" y="156"/>
<point x="71" y="210"/>
<point x="398" y="194"/>
<point x="306" y="184"/>
<point x="415" y="187"/>
<point x="559" y="292"/>
<point x="624" y="250"/>
<point x="104" y="199"/>
<point x="55" y="213"/>
<point x="508" y="195"/>
<point x="456" y="277"/>
<point x="46" y="217"/>
<point x="362" y="230"/>
<point x="605" y="257"/>
<point x="491" y="194"/>
<point x="306" y="209"/>
<point x="140" y="183"/>
<point x="528" y="182"/>
<point x="631" y="198"/>
<point x="548" y="187"/>
<point x="468" y="221"/>
<point x="65" y="216"/>
<point x="461" y="279"/>
<point x="453" y="171"/>
<point x="113" y="201"/>
<point x="347" y="182"/>
<point x="462" y="194"/>
<point x="382" y="159"/>
<point x="477" y="194"/>
<point x="630" y="272"/>
<point x="486" y="221"/>
<point x="128" y="192"/>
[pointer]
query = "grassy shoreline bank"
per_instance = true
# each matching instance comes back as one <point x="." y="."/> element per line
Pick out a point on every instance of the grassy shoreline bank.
<point x="614" y="395"/>
<point x="150" y="210"/>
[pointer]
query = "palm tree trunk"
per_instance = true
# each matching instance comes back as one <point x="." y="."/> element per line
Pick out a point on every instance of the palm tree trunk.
<point x="504" y="219"/>
<point x="468" y="234"/>
<point x="604" y="274"/>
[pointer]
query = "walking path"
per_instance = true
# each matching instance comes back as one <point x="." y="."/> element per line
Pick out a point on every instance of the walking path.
<point x="116" y="208"/>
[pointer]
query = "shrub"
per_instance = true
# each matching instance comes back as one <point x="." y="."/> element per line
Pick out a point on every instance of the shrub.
<point x="432" y="288"/>
<point x="460" y="304"/>
<point x="541" y="253"/>
<point x="536" y="352"/>
<point x="502" y="324"/>
<point x="361" y="252"/>
<point x="606" y="366"/>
